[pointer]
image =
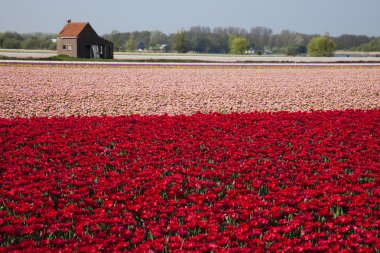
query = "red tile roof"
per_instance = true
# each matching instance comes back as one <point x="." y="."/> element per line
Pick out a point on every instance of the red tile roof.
<point x="72" y="29"/>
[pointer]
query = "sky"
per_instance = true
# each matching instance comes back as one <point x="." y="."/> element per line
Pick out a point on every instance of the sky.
<point x="336" y="17"/>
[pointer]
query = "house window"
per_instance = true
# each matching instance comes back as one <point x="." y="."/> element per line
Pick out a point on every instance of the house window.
<point x="64" y="47"/>
<point x="69" y="47"/>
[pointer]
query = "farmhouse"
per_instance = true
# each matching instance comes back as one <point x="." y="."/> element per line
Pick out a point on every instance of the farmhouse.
<point x="79" y="39"/>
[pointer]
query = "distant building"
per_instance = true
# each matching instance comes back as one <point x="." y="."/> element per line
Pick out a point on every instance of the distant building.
<point x="81" y="41"/>
<point x="141" y="46"/>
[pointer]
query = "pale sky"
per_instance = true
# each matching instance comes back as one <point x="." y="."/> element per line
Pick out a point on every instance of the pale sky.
<point x="360" y="17"/>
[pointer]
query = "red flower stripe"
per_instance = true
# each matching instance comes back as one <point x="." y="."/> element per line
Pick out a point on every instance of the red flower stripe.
<point x="306" y="181"/>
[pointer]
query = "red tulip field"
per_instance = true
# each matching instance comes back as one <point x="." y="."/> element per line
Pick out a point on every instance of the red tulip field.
<point x="189" y="158"/>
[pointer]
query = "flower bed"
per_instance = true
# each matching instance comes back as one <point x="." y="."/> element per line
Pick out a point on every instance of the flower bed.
<point x="63" y="90"/>
<point x="304" y="181"/>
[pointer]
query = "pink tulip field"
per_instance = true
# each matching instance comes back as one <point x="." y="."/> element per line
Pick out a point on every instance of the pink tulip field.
<point x="63" y="90"/>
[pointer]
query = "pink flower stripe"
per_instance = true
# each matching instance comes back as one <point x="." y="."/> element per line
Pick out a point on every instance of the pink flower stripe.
<point x="62" y="90"/>
<point x="304" y="181"/>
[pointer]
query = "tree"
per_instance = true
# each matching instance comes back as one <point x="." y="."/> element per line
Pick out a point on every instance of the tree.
<point x="11" y="43"/>
<point x="200" y="39"/>
<point x="142" y="37"/>
<point x="157" y="38"/>
<point x="238" y="45"/>
<point x="260" y="36"/>
<point x="131" y="43"/>
<point x="350" y="41"/>
<point x="118" y="39"/>
<point x="372" y="46"/>
<point x="180" y="42"/>
<point x="321" y="46"/>
<point x="11" y="40"/>
<point x="30" y="43"/>
<point x="296" y="49"/>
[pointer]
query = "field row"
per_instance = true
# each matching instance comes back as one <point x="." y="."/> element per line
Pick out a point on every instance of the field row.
<point x="27" y="90"/>
<point x="207" y="182"/>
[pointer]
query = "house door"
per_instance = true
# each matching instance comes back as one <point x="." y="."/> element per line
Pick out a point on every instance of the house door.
<point x="89" y="53"/>
<point x="107" y="52"/>
<point x="95" y="51"/>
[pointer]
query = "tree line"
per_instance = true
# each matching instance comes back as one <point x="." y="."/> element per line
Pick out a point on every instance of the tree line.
<point x="14" y="40"/>
<point x="203" y="39"/>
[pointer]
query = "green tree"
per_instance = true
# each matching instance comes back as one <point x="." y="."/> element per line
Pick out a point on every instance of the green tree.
<point x="11" y="40"/>
<point x="118" y="39"/>
<point x="296" y="49"/>
<point x="259" y="37"/>
<point x="131" y="43"/>
<point x="372" y="46"/>
<point x="53" y="46"/>
<point x="143" y="37"/>
<point x="157" y="38"/>
<point x="31" y="43"/>
<point x="321" y="46"/>
<point x="238" y="45"/>
<point x="350" y="41"/>
<point x="11" y="43"/>
<point x="180" y="42"/>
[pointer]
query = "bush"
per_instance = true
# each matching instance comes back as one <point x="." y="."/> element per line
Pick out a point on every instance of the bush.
<point x="295" y="49"/>
<point x="321" y="46"/>
<point x="238" y="45"/>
